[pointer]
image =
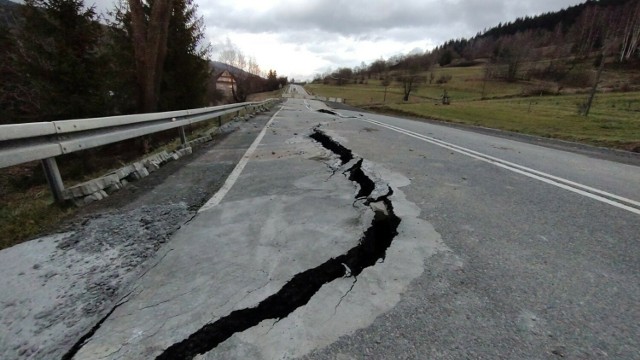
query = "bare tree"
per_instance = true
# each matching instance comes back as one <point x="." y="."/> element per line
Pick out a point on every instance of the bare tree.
<point x="487" y="73"/>
<point x="410" y="77"/>
<point x="630" y="30"/>
<point x="514" y="50"/>
<point x="585" y="30"/>
<point x="253" y="66"/>
<point x="229" y="53"/>
<point x="241" y="61"/>
<point x="150" y="48"/>
<point x="603" y="29"/>
<point x="386" y="81"/>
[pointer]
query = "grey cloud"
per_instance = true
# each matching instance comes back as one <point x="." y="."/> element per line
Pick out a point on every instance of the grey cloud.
<point x="361" y="18"/>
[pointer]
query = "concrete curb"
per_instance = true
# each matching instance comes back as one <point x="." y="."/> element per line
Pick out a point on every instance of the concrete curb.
<point x="100" y="188"/>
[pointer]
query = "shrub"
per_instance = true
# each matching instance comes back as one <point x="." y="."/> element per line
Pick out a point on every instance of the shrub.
<point x="443" y="79"/>
<point x="577" y="79"/>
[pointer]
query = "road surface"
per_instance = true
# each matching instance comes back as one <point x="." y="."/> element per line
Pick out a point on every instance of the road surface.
<point x="348" y="235"/>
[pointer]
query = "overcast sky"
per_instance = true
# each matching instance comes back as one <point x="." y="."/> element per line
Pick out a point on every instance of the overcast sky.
<point x="299" y="38"/>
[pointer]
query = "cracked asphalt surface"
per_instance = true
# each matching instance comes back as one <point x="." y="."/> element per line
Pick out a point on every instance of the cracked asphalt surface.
<point x="504" y="250"/>
<point x="291" y="210"/>
<point x="55" y="288"/>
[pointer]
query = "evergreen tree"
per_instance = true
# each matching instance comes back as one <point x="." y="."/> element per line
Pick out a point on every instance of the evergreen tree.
<point x="186" y="69"/>
<point x="185" y="73"/>
<point x="12" y="87"/>
<point x="58" y="54"/>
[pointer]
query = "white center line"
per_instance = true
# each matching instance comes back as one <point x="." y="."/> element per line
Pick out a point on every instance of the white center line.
<point x="569" y="185"/>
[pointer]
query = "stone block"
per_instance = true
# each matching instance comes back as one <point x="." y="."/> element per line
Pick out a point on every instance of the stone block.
<point x="110" y="180"/>
<point x="152" y="166"/>
<point x="113" y="188"/>
<point x="89" y="199"/>
<point x="123" y="172"/>
<point x="89" y="187"/>
<point x="138" y="166"/>
<point x="143" y="172"/>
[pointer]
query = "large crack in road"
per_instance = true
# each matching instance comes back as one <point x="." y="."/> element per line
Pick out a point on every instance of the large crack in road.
<point x="303" y="286"/>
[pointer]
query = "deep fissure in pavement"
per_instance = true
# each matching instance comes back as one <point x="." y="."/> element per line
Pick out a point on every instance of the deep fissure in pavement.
<point x="325" y="111"/>
<point x="328" y="143"/>
<point x="300" y="289"/>
<point x="357" y="175"/>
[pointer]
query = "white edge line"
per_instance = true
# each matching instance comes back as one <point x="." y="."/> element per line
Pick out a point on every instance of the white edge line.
<point x="505" y="166"/>
<point x="235" y="174"/>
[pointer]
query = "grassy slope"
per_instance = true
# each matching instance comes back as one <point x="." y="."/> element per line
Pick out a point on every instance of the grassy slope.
<point x="614" y="120"/>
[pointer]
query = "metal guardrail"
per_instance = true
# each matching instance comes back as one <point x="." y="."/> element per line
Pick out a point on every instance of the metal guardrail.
<point x="44" y="141"/>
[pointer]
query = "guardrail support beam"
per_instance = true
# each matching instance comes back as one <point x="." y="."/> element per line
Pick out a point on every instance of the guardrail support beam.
<point x="54" y="179"/>
<point x="183" y="136"/>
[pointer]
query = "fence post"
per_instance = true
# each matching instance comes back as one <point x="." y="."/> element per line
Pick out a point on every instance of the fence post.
<point x="51" y="171"/>
<point x="183" y="136"/>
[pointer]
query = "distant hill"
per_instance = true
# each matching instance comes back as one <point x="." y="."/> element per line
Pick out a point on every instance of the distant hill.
<point x="549" y="21"/>
<point x="219" y="67"/>
<point x="9" y="13"/>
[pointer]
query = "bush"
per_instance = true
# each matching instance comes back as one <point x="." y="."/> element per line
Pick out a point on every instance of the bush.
<point x="577" y="79"/>
<point x="538" y="90"/>
<point x="443" y="79"/>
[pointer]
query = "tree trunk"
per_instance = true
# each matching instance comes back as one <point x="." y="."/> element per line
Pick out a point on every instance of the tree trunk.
<point x="592" y="94"/>
<point x="150" y="49"/>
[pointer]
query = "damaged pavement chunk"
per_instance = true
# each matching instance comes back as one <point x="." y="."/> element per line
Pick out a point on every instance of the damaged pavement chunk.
<point x="302" y="287"/>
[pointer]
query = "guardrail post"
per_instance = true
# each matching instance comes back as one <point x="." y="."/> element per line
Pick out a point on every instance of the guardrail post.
<point x="183" y="136"/>
<point x="219" y="121"/>
<point x="54" y="179"/>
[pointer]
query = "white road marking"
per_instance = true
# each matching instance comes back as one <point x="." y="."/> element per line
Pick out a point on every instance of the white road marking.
<point x="569" y="185"/>
<point x="235" y="174"/>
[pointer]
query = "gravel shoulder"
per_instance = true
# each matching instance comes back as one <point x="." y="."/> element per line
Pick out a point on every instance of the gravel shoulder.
<point x="55" y="288"/>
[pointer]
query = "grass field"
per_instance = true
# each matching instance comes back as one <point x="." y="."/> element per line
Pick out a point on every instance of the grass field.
<point x="614" y="120"/>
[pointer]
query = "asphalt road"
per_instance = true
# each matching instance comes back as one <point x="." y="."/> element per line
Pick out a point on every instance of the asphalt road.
<point x="385" y="238"/>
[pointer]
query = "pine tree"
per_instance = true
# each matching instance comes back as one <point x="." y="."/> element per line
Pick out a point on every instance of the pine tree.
<point x="58" y="54"/>
<point x="186" y="69"/>
<point x="185" y="72"/>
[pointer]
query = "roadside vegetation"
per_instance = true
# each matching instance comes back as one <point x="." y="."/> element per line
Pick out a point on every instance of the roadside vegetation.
<point x="27" y="204"/>
<point x="614" y="119"/>
<point x="572" y="74"/>
<point x="61" y="60"/>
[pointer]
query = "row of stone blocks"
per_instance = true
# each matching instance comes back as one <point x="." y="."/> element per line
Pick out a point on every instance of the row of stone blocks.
<point x="98" y="189"/>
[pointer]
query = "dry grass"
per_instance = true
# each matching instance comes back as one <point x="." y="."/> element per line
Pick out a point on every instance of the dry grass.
<point x="614" y="120"/>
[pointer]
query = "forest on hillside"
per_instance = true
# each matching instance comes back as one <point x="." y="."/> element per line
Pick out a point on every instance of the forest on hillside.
<point x="549" y="47"/>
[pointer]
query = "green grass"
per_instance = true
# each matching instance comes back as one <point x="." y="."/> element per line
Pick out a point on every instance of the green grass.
<point x="614" y="120"/>
<point x="26" y="214"/>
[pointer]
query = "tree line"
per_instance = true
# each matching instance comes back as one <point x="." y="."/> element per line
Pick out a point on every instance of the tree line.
<point x="62" y="60"/>
<point x="605" y="30"/>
